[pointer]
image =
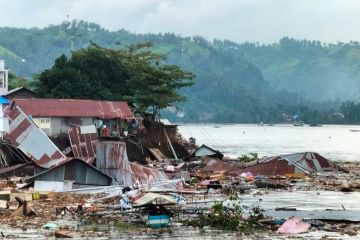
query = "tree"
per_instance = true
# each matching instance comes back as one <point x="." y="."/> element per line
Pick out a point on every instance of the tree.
<point x="90" y="73"/>
<point x="130" y="73"/>
<point x="15" y="81"/>
<point x="154" y="85"/>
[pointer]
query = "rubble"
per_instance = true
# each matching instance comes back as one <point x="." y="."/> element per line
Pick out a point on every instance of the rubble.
<point x="102" y="179"/>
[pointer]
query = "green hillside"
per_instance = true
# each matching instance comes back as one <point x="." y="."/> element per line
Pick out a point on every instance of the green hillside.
<point x="6" y="53"/>
<point x="228" y="87"/>
<point x="316" y="71"/>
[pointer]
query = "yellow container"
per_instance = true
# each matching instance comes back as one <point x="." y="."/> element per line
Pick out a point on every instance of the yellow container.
<point x="36" y="196"/>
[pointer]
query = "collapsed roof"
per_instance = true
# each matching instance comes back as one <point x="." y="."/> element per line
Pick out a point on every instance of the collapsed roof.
<point x="306" y="163"/>
<point x="76" y="170"/>
<point x="111" y="158"/>
<point x="26" y="136"/>
<point x="218" y="166"/>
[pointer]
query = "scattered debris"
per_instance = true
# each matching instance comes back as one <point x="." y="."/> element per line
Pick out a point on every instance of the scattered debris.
<point x="23" y="209"/>
<point x="119" y="168"/>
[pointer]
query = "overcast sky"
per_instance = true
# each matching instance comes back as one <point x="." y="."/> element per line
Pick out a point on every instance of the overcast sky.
<point x="237" y="20"/>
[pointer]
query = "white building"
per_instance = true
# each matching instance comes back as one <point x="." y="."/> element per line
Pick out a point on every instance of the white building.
<point x="3" y="78"/>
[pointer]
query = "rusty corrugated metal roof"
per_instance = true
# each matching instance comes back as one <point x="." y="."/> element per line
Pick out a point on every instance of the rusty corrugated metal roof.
<point x="37" y="107"/>
<point x="275" y="167"/>
<point x="219" y="166"/>
<point x="307" y="162"/>
<point x="25" y="135"/>
<point x="146" y="175"/>
<point x="83" y="144"/>
<point x="111" y="158"/>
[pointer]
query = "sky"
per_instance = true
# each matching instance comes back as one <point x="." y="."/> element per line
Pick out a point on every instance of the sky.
<point x="263" y="21"/>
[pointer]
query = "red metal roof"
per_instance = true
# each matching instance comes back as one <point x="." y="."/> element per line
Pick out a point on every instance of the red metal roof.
<point x="82" y="144"/>
<point x="307" y="162"/>
<point x="219" y="166"/>
<point x="75" y="108"/>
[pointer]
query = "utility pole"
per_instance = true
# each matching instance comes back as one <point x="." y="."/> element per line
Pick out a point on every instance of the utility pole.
<point x="182" y="53"/>
<point x="71" y="31"/>
<point x="73" y="35"/>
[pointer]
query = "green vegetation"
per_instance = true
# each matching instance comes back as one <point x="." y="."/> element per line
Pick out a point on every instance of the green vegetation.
<point x="230" y="218"/>
<point x="312" y="70"/>
<point x="292" y="80"/>
<point x="248" y="157"/>
<point x="351" y="112"/>
<point x="6" y="52"/>
<point x="131" y="73"/>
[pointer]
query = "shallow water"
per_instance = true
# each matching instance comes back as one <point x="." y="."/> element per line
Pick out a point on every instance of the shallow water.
<point x="174" y="232"/>
<point x="336" y="142"/>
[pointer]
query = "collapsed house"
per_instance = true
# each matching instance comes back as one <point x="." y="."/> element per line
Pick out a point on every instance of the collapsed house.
<point x="70" y="174"/>
<point x="111" y="158"/>
<point x="290" y="165"/>
<point x="218" y="167"/>
<point x="86" y="150"/>
<point x="26" y="136"/>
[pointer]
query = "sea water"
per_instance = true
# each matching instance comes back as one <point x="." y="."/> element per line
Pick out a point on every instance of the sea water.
<point x="335" y="142"/>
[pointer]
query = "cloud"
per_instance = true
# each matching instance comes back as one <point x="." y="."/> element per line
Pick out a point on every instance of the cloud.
<point x="238" y="20"/>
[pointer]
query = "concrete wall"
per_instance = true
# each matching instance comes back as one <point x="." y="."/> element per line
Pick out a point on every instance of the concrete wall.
<point x="58" y="125"/>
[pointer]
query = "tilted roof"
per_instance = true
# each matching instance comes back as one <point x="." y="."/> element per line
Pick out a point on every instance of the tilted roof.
<point x="306" y="162"/>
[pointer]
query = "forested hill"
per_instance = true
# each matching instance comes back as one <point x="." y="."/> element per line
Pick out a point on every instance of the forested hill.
<point x="317" y="71"/>
<point x="228" y="87"/>
<point x="234" y="82"/>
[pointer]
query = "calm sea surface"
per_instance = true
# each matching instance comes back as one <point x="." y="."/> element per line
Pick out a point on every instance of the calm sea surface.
<point x="336" y="142"/>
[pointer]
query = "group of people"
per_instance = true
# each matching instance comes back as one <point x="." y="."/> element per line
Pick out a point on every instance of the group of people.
<point x="104" y="131"/>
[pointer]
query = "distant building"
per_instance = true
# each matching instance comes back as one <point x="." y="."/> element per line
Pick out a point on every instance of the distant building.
<point x="19" y="93"/>
<point x="4" y="78"/>
<point x="205" y="151"/>
<point x="57" y="116"/>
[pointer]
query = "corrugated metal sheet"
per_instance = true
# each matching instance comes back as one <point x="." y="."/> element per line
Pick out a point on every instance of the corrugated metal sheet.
<point x="271" y="168"/>
<point x="219" y="166"/>
<point x="154" y="197"/>
<point x="112" y="159"/>
<point x="74" y="170"/>
<point x="75" y="108"/>
<point x="25" y="135"/>
<point x="307" y="162"/>
<point x="146" y="175"/>
<point x="83" y="143"/>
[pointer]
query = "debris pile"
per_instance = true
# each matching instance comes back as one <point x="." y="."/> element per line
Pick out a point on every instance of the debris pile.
<point x="105" y="165"/>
